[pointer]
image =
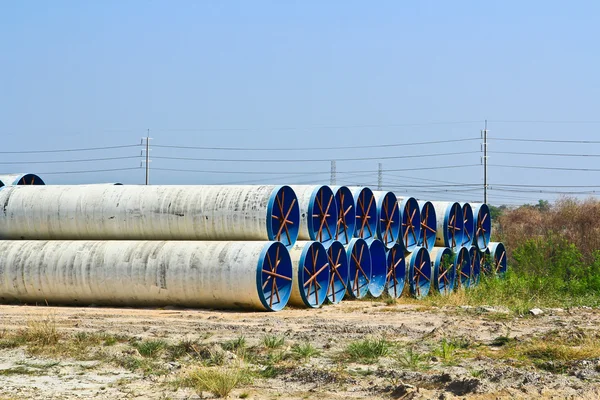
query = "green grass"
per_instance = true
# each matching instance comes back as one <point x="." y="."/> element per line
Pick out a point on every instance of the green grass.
<point x="150" y="348"/>
<point x="369" y="350"/>
<point x="273" y="342"/>
<point x="304" y="351"/>
<point x="413" y="360"/>
<point x="446" y="352"/>
<point x="235" y="345"/>
<point x="218" y="381"/>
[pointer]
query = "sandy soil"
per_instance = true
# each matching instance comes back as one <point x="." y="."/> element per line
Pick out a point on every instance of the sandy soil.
<point x="329" y="329"/>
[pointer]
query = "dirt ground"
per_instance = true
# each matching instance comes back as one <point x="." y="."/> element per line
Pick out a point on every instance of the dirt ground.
<point x="476" y="374"/>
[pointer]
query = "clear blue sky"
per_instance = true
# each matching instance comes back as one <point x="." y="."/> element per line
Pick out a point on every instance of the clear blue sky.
<point x="332" y="73"/>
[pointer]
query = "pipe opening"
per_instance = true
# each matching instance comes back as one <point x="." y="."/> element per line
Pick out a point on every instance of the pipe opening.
<point x="359" y="262"/>
<point x="20" y="179"/>
<point x="366" y="214"/>
<point x="483" y="226"/>
<point x="444" y="270"/>
<point x="419" y="272"/>
<point x="486" y="261"/>
<point x="410" y="230"/>
<point x="274" y="276"/>
<point x="475" y="257"/>
<point x="453" y="226"/>
<point x="463" y="268"/>
<point x="428" y="226"/>
<point x="378" y="268"/>
<point x="468" y="225"/>
<point x="388" y="219"/>
<point x="283" y="216"/>
<point x="338" y="262"/>
<point x="322" y="215"/>
<point x="498" y="256"/>
<point x="346" y="222"/>
<point x="396" y="271"/>
<point x="313" y="274"/>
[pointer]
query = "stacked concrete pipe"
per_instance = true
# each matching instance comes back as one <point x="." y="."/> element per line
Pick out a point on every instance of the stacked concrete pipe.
<point x="311" y="272"/>
<point x="20" y="179"/>
<point x="428" y="225"/>
<point x="346" y="222"/>
<point x="410" y="228"/>
<point x="449" y="232"/>
<point x="359" y="267"/>
<point x="366" y="213"/>
<point x="318" y="212"/>
<point x="378" y="255"/>
<point x="338" y="263"/>
<point x="444" y="269"/>
<point x="388" y="218"/>
<point x="420" y="273"/>
<point x="396" y="271"/>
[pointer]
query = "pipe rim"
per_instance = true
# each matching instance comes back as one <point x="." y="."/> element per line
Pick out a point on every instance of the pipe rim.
<point x="486" y="264"/>
<point x="338" y="262"/>
<point x="359" y="265"/>
<point x="463" y="266"/>
<point x="453" y="226"/>
<point x="313" y="273"/>
<point x="283" y="216"/>
<point x="410" y="229"/>
<point x="388" y="219"/>
<point x="396" y="271"/>
<point x="475" y="257"/>
<point x="378" y="268"/>
<point x="366" y="214"/>
<point x="483" y="226"/>
<point x="346" y="222"/>
<point x="468" y="225"/>
<point x="498" y="252"/>
<point x="444" y="278"/>
<point x="420" y="276"/>
<point x="322" y="215"/>
<point x="428" y="226"/>
<point x="274" y="259"/>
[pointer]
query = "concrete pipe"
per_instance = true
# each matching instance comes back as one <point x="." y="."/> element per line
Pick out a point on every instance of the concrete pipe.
<point x="449" y="231"/>
<point x="248" y="275"/>
<point x="338" y="262"/>
<point x="420" y="273"/>
<point x="150" y="212"/>
<point x="475" y="257"/>
<point x="346" y="222"/>
<point x="463" y="268"/>
<point x="468" y="225"/>
<point x="444" y="269"/>
<point x="483" y="225"/>
<point x="428" y="225"/>
<point x="318" y="213"/>
<point x="410" y="228"/>
<point x="388" y="218"/>
<point x="310" y="271"/>
<point x="366" y="213"/>
<point x="396" y="271"/>
<point x="486" y="261"/>
<point x="20" y="179"/>
<point x="359" y="266"/>
<point x="498" y="258"/>
<point x="378" y="268"/>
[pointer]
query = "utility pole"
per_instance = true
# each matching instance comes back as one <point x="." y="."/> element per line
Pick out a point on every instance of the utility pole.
<point x="485" y="161"/>
<point x="147" y="156"/>
<point x="333" y="173"/>
<point x="380" y="177"/>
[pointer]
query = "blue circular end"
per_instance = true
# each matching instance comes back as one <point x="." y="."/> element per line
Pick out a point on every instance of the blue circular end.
<point x="378" y="268"/>
<point x="396" y="271"/>
<point x="313" y="274"/>
<point x="410" y="229"/>
<point x="420" y="273"/>
<point x="444" y="271"/>
<point x="453" y="226"/>
<point x="366" y="214"/>
<point x="483" y="225"/>
<point x="322" y="215"/>
<point x="428" y="225"/>
<point x="346" y="222"/>
<point x="475" y="256"/>
<point x="468" y="225"/>
<point x="486" y="261"/>
<point x="388" y="219"/>
<point x="283" y="216"/>
<point x="338" y="262"/>
<point x="463" y="268"/>
<point x="274" y="276"/>
<point x="359" y="266"/>
<point x="498" y="256"/>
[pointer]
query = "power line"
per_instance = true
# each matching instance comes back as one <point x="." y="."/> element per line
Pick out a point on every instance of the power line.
<point x="316" y="160"/>
<point x="69" y="150"/>
<point x="67" y="161"/>
<point x="545" y="154"/>
<point x="547" y="168"/>
<point x="85" y="172"/>
<point x="502" y="185"/>
<point x="544" y="140"/>
<point x="544" y="122"/>
<point x="315" y="148"/>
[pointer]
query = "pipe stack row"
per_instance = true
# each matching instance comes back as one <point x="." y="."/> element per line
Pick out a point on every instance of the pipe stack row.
<point x="252" y="247"/>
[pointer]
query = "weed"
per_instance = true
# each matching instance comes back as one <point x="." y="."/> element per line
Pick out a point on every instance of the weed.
<point x="412" y="360"/>
<point x="446" y="352"/>
<point x="304" y="351"/>
<point x="368" y="350"/>
<point x="235" y="345"/>
<point x="244" y="395"/>
<point x="219" y="381"/>
<point x="18" y="371"/>
<point x="476" y="373"/>
<point x="150" y="348"/>
<point x="147" y="367"/>
<point x="273" y="342"/>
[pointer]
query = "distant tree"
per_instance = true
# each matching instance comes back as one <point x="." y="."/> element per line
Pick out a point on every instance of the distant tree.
<point x="543" y="205"/>
<point x="496" y="212"/>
